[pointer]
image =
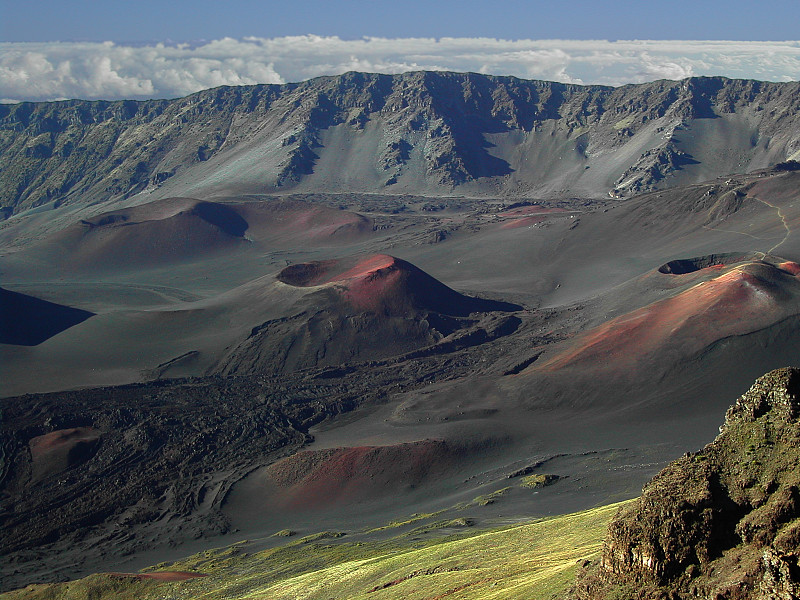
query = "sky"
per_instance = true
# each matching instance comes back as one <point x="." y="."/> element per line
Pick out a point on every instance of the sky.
<point x="119" y="49"/>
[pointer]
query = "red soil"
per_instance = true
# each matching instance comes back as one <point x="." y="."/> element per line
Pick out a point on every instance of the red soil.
<point x="790" y="267"/>
<point x="368" y="266"/>
<point x="526" y="216"/>
<point x="290" y="218"/>
<point x="294" y="220"/>
<point x="386" y="285"/>
<point x="179" y="229"/>
<point x="316" y="478"/>
<point x="371" y="283"/>
<point x="160" y="232"/>
<point x="61" y="440"/>
<point x="779" y="190"/>
<point x="376" y="280"/>
<point x="58" y="450"/>
<point x="321" y="222"/>
<point x="744" y="299"/>
<point x="335" y="271"/>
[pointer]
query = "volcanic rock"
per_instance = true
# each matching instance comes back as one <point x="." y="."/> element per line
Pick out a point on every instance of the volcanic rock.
<point x="721" y="522"/>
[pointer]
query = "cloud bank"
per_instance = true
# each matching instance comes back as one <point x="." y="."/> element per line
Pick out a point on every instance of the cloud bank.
<point x="59" y="70"/>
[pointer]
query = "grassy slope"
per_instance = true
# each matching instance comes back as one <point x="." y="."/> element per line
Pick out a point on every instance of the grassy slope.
<point x="533" y="560"/>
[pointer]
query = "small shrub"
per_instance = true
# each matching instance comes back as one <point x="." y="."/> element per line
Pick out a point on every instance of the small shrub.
<point x="538" y="481"/>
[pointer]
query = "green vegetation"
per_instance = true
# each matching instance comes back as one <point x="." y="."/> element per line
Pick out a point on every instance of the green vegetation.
<point x="489" y="498"/>
<point x="461" y="522"/>
<point x="533" y="560"/>
<point x="622" y="123"/>
<point x="722" y="523"/>
<point x="538" y="481"/>
<point x="412" y="519"/>
<point x="323" y="535"/>
<point x="284" y="533"/>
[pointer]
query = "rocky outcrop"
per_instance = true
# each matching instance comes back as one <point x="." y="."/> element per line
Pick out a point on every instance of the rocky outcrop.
<point x="424" y="132"/>
<point x="653" y="166"/>
<point x="721" y="523"/>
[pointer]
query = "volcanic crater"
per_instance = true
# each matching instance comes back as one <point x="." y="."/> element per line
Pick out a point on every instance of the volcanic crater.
<point x="236" y="334"/>
<point x="362" y="309"/>
<point x="383" y="283"/>
<point x="737" y="296"/>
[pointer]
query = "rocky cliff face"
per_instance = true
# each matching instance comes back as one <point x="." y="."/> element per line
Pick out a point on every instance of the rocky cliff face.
<point x="426" y="132"/>
<point x="721" y="523"/>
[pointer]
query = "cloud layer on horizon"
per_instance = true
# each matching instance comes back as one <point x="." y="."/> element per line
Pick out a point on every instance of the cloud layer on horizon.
<point x="93" y="70"/>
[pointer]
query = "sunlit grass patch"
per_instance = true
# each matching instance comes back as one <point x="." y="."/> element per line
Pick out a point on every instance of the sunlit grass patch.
<point x="532" y="560"/>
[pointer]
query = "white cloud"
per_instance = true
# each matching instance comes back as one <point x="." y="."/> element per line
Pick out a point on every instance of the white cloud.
<point x="49" y="71"/>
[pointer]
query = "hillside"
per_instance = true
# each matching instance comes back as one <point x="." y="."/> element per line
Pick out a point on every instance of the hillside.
<point x="329" y="305"/>
<point x="718" y="523"/>
<point x="465" y="340"/>
<point x="421" y="559"/>
<point x="426" y="133"/>
<point x="721" y="522"/>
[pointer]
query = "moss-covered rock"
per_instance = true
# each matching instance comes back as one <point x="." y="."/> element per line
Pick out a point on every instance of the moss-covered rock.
<point x="721" y="523"/>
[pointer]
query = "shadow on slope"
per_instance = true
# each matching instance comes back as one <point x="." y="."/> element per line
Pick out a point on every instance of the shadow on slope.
<point x="29" y="321"/>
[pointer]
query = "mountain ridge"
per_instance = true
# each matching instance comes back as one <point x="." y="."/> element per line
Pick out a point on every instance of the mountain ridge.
<point x="431" y="133"/>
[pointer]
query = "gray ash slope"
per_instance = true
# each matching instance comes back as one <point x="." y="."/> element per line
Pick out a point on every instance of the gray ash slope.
<point x="428" y="133"/>
<point x="122" y="471"/>
<point x="165" y="455"/>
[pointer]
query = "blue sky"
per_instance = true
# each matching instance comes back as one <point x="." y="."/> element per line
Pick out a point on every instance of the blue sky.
<point x="52" y="50"/>
<point x="183" y="20"/>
